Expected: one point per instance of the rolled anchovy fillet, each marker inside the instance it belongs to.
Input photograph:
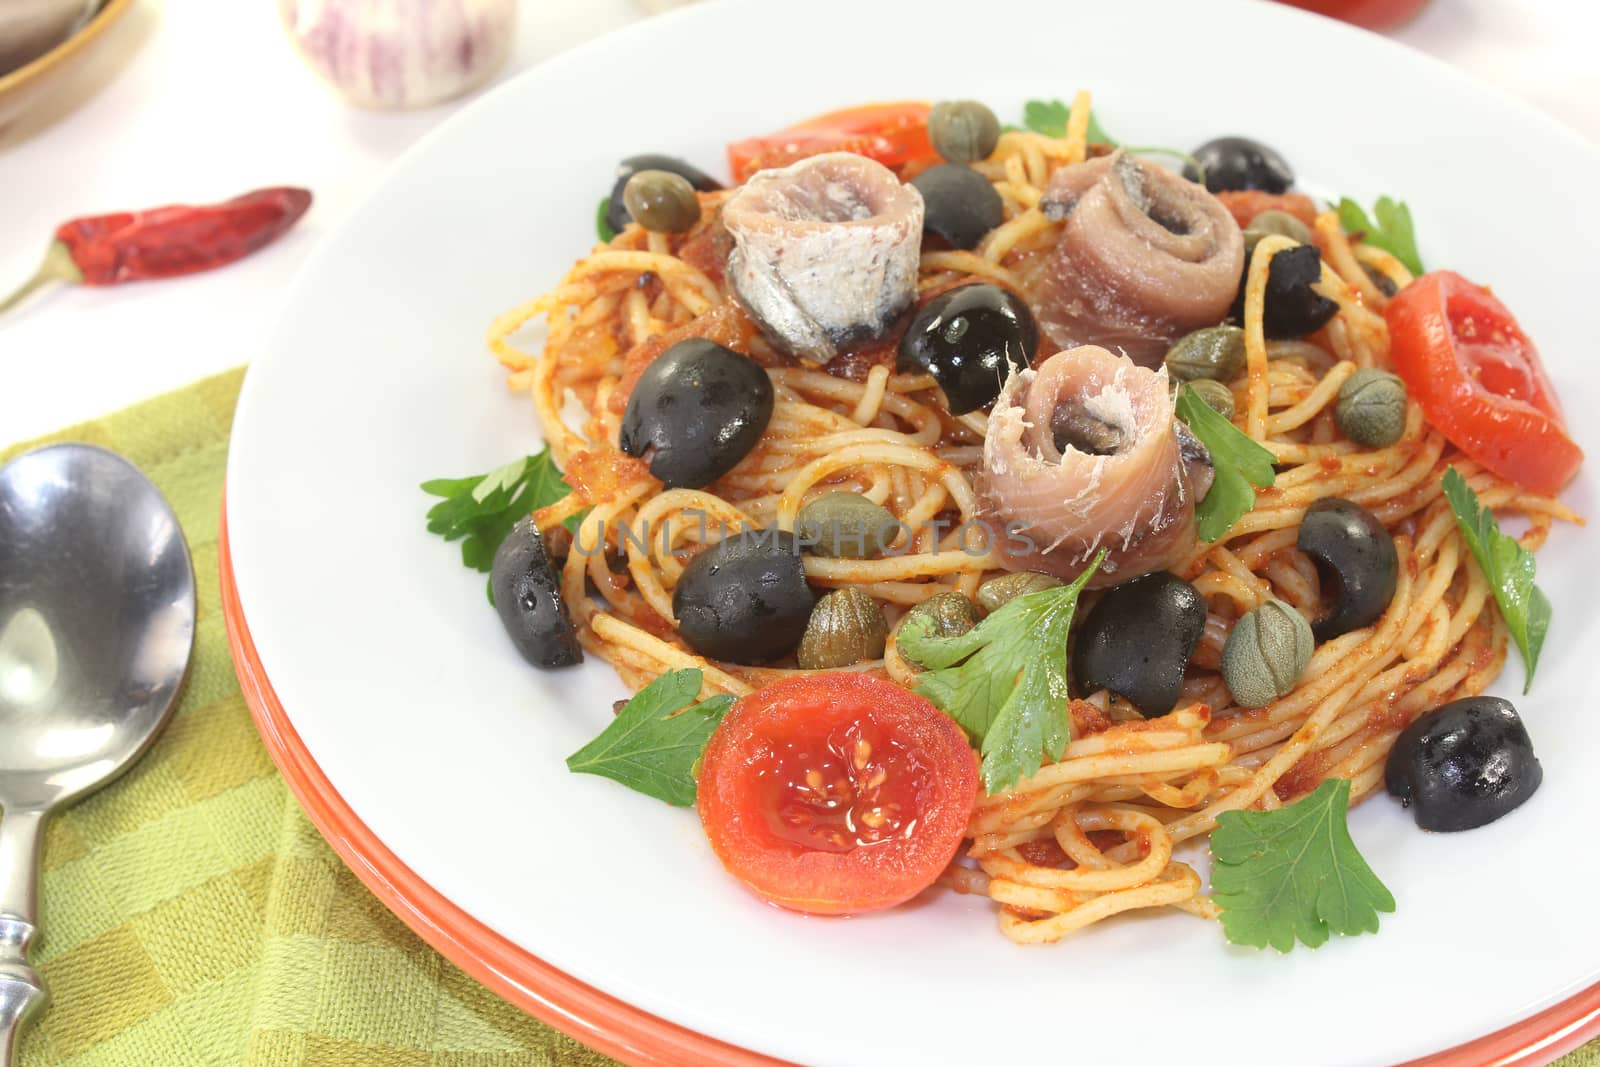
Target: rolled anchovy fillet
(1144, 257)
(824, 252)
(1132, 490)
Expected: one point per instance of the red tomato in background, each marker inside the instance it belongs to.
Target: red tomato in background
(893, 134)
(1479, 379)
(836, 793)
(1373, 14)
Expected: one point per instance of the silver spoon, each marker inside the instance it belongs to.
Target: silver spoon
(96, 626)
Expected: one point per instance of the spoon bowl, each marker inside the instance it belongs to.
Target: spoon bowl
(97, 615)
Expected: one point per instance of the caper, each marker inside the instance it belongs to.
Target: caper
(846, 627)
(953, 614)
(1372, 407)
(1216, 352)
(1266, 654)
(662, 201)
(1276, 223)
(1218, 397)
(617, 212)
(846, 526)
(963, 131)
(998, 591)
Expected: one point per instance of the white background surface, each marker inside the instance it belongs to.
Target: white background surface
(200, 100)
(450, 749)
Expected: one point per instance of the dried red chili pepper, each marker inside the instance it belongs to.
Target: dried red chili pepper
(166, 241)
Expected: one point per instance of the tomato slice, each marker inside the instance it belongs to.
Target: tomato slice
(895, 135)
(1479, 379)
(836, 793)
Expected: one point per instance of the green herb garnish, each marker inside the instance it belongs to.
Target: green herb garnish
(1049, 117)
(1238, 461)
(601, 226)
(1509, 569)
(479, 511)
(1005, 680)
(1294, 874)
(1392, 232)
(651, 746)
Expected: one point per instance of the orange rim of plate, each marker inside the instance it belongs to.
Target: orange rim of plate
(600, 1020)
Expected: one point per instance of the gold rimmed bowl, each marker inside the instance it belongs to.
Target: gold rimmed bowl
(22, 87)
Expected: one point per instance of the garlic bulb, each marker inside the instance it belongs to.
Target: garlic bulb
(401, 53)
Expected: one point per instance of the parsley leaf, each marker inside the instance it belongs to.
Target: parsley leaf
(1238, 461)
(1049, 117)
(1509, 568)
(1392, 232)
(1294, 874)
(1005, 680)
(480, 511)
(601, 226)
(651, 746)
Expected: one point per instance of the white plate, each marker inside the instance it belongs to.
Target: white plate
(404, 690)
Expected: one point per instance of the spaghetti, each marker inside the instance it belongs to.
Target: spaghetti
(1093, 834)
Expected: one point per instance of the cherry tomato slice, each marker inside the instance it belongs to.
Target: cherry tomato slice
(1479, 379)
(836, 793)
(895, 135)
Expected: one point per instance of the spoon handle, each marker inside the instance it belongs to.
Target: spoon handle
(22, 989)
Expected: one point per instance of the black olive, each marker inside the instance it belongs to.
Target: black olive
(617, 213)
(970, 339)
(1137, 639)
(1234, 163)
(1463, 765)
(1355, 556)
(700, 408)
(1385, 284)
(527, 596)
(1291, 308)
(745, 599)
(958, 204)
